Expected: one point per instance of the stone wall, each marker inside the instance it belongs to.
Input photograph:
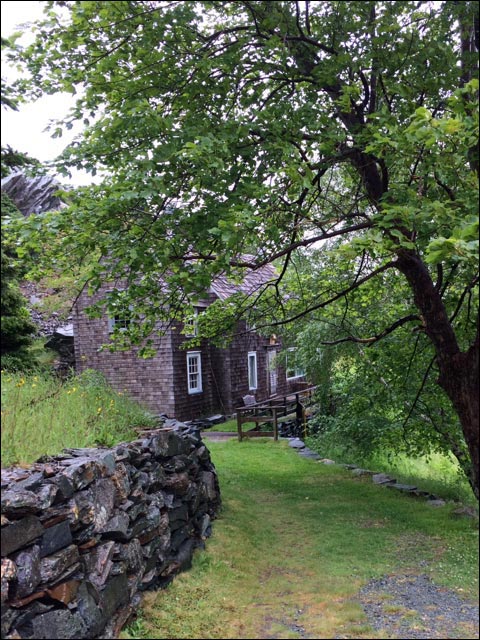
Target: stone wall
(85, 532)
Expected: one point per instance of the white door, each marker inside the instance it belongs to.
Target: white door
(272, 372)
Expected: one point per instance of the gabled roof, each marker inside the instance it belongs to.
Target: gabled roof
(252, 282)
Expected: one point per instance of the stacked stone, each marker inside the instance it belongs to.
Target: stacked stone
(85, 532)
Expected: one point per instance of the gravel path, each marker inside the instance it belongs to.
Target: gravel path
(412, 606)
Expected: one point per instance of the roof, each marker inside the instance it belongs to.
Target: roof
(252, 282)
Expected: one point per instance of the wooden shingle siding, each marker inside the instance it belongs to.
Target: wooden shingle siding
(161, 383)
(147, 381)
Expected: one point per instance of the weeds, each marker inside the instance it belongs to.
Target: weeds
(42, 415)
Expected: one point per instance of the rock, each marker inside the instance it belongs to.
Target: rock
(8, 573)
(55, 538)
(116, 527)
(327, 461)
(131, 554)
(296, 443)
(88, 600)
(58, 624)
(382, 478)
(121, 481)
(20, 533)
(114, 595)
(468, 512)
(99, 562)
(32, 194)
(362, 472)
(208, 480)
(436, 503)
(178, 483)
(166, 444)
(308, 453)
(32, 482)
(180, 513)
(64, 592)
(19, 503)
(406, 488)
(205, 526)
(53, 567)
(28, 571)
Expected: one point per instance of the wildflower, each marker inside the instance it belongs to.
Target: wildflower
(99, 410)
(35, 378)
(33, 386)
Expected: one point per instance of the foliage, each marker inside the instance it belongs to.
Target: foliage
(41, 415)
(16, 329)
(237, 134)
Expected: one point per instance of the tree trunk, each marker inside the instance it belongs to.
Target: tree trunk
(459, 371)
(460, 380)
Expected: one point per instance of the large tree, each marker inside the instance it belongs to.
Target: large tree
(260, 127)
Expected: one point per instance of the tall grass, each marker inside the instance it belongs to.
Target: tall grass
(42, 415)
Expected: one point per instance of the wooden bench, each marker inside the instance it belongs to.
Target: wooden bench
(270, 411)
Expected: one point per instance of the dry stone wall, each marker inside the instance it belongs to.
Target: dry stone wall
(85, 532)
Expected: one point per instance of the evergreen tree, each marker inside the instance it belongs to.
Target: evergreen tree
(16, 326)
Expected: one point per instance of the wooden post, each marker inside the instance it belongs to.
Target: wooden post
(239, 425)
(275, 424)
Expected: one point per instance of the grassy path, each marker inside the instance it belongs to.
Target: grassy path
(295, 542)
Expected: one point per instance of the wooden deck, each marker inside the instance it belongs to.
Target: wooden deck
(271, 411)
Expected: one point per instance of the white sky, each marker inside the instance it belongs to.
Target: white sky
(25, 129)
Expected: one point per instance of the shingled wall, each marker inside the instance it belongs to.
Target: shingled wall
(85, 532)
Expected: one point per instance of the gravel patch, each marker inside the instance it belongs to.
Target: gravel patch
(412, 606)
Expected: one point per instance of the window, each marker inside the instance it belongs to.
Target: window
(190, 326)
(194, 372)
(252, 370)
(122, 319)
(293, 367)
(120, 322)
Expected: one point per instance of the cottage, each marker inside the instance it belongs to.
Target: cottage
(189, 383)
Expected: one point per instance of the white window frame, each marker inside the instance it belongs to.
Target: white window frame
(252, 371)
(116, 320)
(194, 372)
(298, 372)
(190, 326)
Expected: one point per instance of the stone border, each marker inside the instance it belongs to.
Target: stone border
(380, 478)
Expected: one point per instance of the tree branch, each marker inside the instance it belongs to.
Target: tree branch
(321, 305)
(373, 339)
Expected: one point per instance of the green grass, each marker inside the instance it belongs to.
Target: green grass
(225, 427)
(42, 415)
(440, 474)
(294, 543)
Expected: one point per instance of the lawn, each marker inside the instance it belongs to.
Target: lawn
(295, 542)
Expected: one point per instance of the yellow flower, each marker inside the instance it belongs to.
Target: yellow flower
(35, 378)
(99, 409)
(33, 386)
